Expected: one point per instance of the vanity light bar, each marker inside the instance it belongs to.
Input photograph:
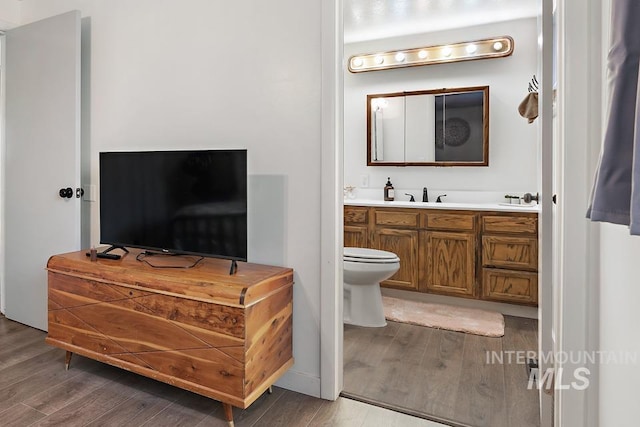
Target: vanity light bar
(497, 47)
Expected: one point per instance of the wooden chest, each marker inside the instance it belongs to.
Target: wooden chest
(228, 337)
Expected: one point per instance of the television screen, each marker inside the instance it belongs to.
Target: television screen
(185, 202)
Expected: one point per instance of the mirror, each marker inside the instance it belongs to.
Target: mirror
(443, 127)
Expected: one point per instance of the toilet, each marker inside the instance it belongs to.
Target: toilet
(364, 269)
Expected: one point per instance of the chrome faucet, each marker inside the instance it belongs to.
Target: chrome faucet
(425, 195)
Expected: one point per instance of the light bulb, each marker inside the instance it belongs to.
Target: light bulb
(357, 62)
(497, 46)
(446, 51)
(471, 48)
(423, 54)
(379, 59)
(400, 56)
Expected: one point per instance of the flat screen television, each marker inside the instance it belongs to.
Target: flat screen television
(182, 202)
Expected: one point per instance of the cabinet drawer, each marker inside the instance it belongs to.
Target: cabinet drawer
(450, 221)
(356, 215)
(397, 218)
(510, 252)
(510, 224)
(510, 286)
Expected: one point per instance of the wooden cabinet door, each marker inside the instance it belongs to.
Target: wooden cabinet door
(355, 236)
(403, 243)
(510, 286)
(450, 263)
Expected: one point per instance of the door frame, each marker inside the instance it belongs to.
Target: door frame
(2, 168)
(331, 201)
(555, 297)
(582, 45)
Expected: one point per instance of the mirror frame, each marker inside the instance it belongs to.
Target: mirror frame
(485, 125)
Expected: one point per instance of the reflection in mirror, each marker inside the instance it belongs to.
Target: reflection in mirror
(445, 127)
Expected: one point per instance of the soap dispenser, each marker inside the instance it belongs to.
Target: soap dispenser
(389, 193)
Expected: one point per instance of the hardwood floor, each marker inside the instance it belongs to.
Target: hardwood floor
(35, 390)
(444, 375)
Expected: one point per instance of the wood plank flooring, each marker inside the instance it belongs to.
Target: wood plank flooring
(35, 390)
(444, 375)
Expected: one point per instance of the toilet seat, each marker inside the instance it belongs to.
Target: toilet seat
(369, 256)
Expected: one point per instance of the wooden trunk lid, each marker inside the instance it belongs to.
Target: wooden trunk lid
(208, 281)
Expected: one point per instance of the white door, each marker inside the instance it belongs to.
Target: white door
(42, 156)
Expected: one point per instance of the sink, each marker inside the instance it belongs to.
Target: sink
(521, 205)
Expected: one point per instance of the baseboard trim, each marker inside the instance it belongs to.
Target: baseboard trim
(300, 382)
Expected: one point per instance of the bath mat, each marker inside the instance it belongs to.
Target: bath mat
(440, 316)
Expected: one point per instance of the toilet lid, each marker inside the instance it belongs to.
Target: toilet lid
(369, 255)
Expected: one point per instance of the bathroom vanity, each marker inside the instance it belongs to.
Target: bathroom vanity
(481, 251)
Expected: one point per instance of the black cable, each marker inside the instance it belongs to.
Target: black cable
(142, 255)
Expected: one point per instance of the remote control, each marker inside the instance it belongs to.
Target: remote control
(107, 256)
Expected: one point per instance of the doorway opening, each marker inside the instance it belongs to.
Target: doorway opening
(434, 373)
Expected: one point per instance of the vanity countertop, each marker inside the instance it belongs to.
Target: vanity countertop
(500, 207)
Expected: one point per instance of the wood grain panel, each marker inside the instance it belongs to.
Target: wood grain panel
(52, 305)
(131, 358)
(211, 317)
(133, 330)
(510, 252)
(269, 339)
(262, 316)
(65, 326)
(355, 237)
(510, 286)
(450, 221)
(207, 367)
(356, 215)
(400, 218)
(230, 345)
(69, 291)
(510, 224)
(403, 243)
(450, 262)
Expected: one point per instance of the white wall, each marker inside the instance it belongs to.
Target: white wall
(512, 148)
(604, 288)
(9, 18)
(9, 14)
(619, 320)
(619, 294)
(175, 74)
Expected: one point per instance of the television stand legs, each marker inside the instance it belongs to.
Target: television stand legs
(67, 360)
(234, 268)
(228, 413)
(112, 247)
(228, 409)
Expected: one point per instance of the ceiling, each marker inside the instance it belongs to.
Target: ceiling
(377, 19)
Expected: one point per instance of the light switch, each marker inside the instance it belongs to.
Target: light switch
(364, 181)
